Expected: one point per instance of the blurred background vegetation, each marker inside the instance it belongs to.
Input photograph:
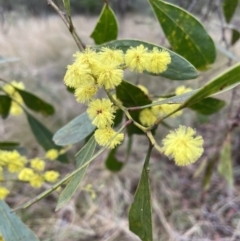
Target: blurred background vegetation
(31, 32)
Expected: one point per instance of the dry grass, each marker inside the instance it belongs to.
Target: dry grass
(180, 211)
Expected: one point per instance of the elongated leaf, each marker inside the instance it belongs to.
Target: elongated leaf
(82, 157)
(12, 228)
(43, 136)
(106, 28)
(130, 95)
(225, 167)
(140, 213)
(8, 145)
(5, 105)
(112, 163)
(75, 131)
(208, 173)
(235, 36)
(229, 7)
(208, 106)
(66, 4)
(185, 33)
(35, 103)
(178, 69)
(224, 80)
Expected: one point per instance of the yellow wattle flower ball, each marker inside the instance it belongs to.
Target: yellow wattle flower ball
(52, 154)
(15, 161)
(136, 58)
(25, 174)
(147, 117)
(38, 164)
(3, 193)
(158, 61)
(51, 176)
(88, 57)
(86, 92)
(77, 74)
(36, 181)
(111, 56)
(182, 90)
(15, 108)
(103, 136)
(109, 76)
(101, 112)
(183, 146)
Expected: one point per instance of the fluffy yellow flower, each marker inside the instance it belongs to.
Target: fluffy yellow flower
(38, 164)
(143, 89)
(182, 90)
(158, 61)
(15, 109)
(86, 92)
(101, 112)
(15, 161)
(109, 76)
(109, 56)
(165, 109)
(103, 136)
(3, 192)
(147, 117)
(52, 154)
(76, 75)
(51, 176)
(25, 174)
(136, 58)
(1, 237)
(36, 181)
(183, 146)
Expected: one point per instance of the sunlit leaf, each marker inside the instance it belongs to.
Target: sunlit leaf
(82, 157)
(140, 213)
(229, 7)
(35, 103)
(5, 105)
(75, 131)
(12, 228)
(185, 33)
(178, 69)
(225, 167)
(43, 136)
(106, 28)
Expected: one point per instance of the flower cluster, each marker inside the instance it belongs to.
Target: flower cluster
(149, 115)
(93, 70)
(17, 100)
(31, 171)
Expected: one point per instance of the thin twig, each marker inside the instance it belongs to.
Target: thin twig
(68, 23)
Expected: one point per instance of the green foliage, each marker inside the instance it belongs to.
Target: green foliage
(35, 103)
(8, 145)
(235, 36)
(43, 135)
(106, 28)
(140, 213)
(75, 131)
(5, 104)
(225, 166)
(12, 228)
(229, 7)
(178, 69)
(112, 163)
(208, 106)
(185, 33)
(82, 157)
